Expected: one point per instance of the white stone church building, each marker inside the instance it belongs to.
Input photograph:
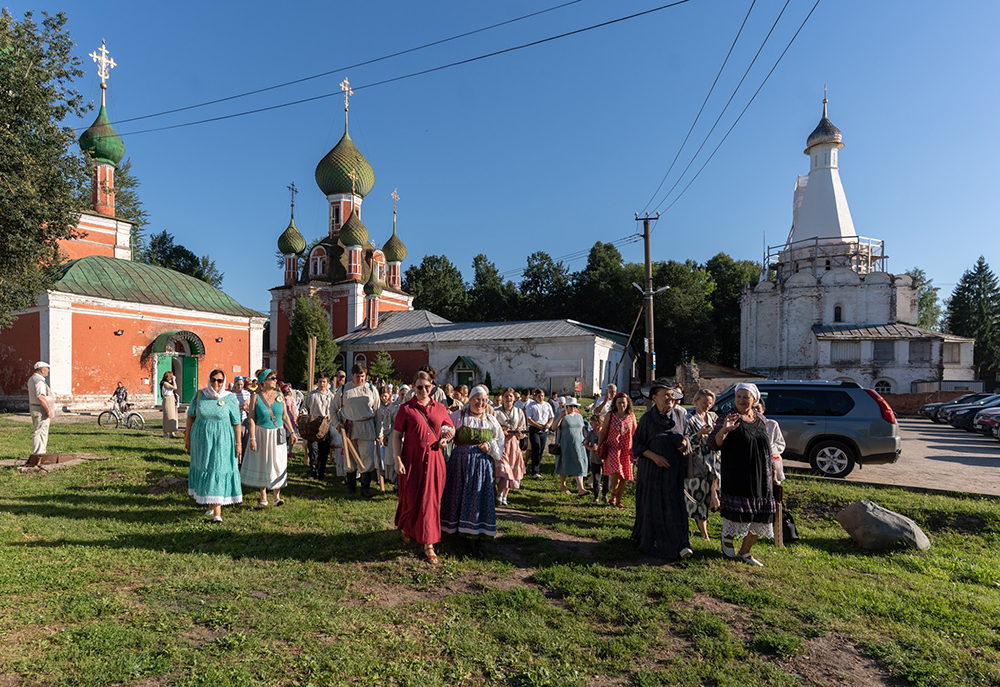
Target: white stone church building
(826, 308)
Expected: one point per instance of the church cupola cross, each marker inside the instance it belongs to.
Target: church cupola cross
(104, 64)
(291, 188)
(345, 86)
(395, 199)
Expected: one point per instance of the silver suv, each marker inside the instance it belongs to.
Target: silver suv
(833, 425)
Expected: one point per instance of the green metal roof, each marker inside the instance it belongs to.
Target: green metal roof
(136, 282)
(197, 345)
(101, 141)
(354, 233)
(333, 173)
(291, 241)
(394, 249)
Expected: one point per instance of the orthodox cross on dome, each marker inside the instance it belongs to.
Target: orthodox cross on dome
(293, 191)
(345, 86)
(104, 62)
(395, 199)
(353, 175)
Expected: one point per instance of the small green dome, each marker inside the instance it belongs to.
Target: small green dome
(394, 249)
(354, 233)
(101, 141)
(291, 241)
(373, 287)
(333, 173)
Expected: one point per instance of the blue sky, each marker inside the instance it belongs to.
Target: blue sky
(557, 146)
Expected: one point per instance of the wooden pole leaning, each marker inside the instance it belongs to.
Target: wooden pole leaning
(349, 451)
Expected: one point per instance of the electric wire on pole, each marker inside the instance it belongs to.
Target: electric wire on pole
(648, 294)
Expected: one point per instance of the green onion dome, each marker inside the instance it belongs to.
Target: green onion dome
(333, 173)
(394, 249)
(373, 287)
(291, 241)
(354, 233)
(101, 141)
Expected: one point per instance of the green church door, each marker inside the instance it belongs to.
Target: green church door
(189, 378)
(164, 364)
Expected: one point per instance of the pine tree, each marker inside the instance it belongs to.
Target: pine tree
(381, 367)
(309, 319)
(928, 305)
(41, 175)
(974, 311)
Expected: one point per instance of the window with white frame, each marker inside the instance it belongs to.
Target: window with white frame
(845, 351)
(884, 351)
(883, 387)
(952, 353)
(335, 216)
(920, 351)
(360, 359)
(317, 262)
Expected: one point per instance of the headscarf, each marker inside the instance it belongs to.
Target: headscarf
(209, 392)
(263, 375)
(752, 388)
(479, 389)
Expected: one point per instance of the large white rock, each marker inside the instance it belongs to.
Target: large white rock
(875, 528)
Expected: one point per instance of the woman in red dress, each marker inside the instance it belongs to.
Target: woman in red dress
(422, 425)
(617, 436)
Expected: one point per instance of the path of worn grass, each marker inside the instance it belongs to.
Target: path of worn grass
(103, 581)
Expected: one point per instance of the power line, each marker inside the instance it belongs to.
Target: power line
(417, 73)
(702, 109)
(728, 103)
(576, 255)
(351, 66)
(698, 173)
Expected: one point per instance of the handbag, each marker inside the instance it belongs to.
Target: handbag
(788, 529)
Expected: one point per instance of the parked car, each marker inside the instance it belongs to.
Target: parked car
(963, 419)
(986, 420)
(832, 425)
(930, 410)
(947, 413)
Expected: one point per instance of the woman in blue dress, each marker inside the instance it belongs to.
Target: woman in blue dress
(468, 505)
(212, 437)
(572, 460)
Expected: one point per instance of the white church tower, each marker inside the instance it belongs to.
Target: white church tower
(825, 308)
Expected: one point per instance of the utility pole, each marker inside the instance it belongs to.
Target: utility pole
(648, 294)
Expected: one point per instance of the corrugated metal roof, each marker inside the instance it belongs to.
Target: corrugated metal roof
(421, 326)
(101, 276)
(896, 330)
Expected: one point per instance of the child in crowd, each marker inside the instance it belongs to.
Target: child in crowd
(590, 442)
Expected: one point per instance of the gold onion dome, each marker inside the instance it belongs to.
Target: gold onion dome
(354, 233)
(373, 287)
(101, 142)
(825, 132)
(291, 241)
(333, 173)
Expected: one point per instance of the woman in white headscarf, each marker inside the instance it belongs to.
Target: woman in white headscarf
(468, 505)
(746, 499)
(212, 436)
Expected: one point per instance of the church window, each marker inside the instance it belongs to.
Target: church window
(884, 351)
(360, 359)
(952, 353)
(827, 265)
(317, 262)
(845, 351)
(353, 261)
(838, 310)
(826, 159)
(883, 387)
(335, 216)
(920, 351)
(339, 362)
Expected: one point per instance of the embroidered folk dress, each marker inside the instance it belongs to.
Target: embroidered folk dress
(619, 440)
(572, 460)
(468, 505)
(418, 513)
(746, 499)
(213, 477)
(510, 467)
(267, 467)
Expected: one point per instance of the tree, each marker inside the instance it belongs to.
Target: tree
(545, 288)
(162, 251)
(603, 291)
(683, 314)
(381, 367)
(128, 206)
(41, 177)
(491, 298)
(437, 285)
(309, 319)
(730, 277)
(928, 305)
(974, 311)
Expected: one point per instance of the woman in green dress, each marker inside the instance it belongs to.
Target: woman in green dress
(572, 460)
(212, 437)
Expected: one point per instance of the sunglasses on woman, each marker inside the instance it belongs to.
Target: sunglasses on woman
(218, 380)
(423, 387)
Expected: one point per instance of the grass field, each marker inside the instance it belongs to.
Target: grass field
(107, 578)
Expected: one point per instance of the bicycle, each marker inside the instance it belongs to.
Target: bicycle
(118, 415)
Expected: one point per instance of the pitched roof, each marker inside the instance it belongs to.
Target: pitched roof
(421, 326)
(896, 330)
(100, 276)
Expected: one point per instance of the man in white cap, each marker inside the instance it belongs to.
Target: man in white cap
(40, 405)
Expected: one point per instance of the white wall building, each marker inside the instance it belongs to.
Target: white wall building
(825, 307)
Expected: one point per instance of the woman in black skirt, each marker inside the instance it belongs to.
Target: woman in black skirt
(746, 498)
(661, 526)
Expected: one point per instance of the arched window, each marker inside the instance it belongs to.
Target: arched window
(360, 358)
(838, 313)
(339, 362)
(827, 265)
(883, 387)
(317, 262)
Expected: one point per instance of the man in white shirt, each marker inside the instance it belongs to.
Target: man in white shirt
(523, 401)
(41, 408)
(540, 417)
(317, 402)
(602, 406)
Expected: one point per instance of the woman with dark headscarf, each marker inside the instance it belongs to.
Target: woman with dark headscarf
(746, 499)
(661, 526)
(212, 436)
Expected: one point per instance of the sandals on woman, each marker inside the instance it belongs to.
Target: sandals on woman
(406, 538)
(727, 547)
(750, 560)
(432, 557)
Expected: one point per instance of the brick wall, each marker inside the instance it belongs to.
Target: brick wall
(909, 404)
